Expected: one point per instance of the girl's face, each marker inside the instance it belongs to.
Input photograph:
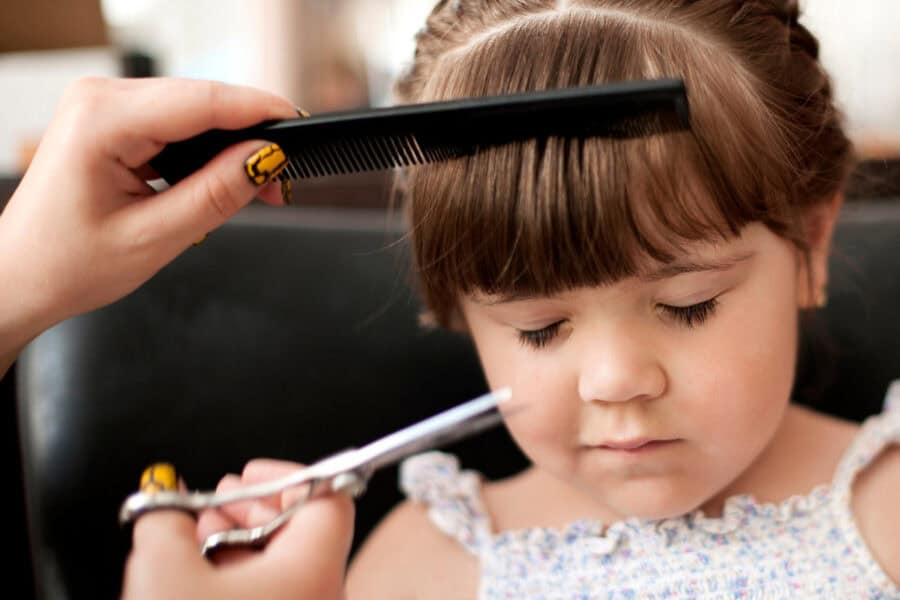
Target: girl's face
(653, 394)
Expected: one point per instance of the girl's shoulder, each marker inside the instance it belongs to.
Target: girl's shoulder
(407, 557)
(872, 469)
(875, 501)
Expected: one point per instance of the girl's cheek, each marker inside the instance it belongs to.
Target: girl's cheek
(540, 410)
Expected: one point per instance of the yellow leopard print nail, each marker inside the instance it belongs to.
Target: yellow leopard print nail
(266, 164)
(158, 478)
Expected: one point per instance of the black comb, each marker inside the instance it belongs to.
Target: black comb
(384, 138)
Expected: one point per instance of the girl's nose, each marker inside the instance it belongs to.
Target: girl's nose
(620, 372)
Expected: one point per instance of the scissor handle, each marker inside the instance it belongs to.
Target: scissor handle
(348, 483)
(328, 469)
(347, 472)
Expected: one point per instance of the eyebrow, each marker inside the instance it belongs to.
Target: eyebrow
(505, 298)
(678, 267)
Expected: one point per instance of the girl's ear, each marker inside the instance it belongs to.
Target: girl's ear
(818, 227)
(457, 324)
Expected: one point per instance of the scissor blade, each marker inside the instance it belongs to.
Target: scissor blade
(449, 426)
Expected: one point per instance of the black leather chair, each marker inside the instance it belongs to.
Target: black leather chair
(293, 334)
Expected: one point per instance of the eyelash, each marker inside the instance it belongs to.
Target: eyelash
(689, 316)
(693, 315)
(538, 338)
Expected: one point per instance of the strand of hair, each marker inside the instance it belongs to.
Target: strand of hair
(419, 153)
(396, 152)
(391, 153)
(407, 151)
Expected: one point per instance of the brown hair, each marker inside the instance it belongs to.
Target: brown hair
(543, 216)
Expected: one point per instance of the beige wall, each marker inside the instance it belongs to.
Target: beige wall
(860, 45)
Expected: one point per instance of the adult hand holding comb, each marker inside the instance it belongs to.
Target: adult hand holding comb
(84, 228)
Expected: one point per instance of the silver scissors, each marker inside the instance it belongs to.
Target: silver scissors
(347, 472)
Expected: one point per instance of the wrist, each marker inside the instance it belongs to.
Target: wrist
(22, 316)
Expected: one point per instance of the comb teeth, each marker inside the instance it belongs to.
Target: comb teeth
(354, 155)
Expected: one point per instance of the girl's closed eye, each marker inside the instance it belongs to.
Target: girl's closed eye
(692, 315)
(538, 338)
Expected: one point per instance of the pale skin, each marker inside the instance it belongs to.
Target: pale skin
(717, 393)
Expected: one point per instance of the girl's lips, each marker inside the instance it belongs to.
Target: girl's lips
(633, 445)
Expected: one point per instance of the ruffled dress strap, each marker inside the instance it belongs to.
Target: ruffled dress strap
(453, 497)
(877, 433)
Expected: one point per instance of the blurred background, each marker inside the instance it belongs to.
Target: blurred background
(328, 55)
(337, 54)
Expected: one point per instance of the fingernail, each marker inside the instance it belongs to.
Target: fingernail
(286, 191)
(200, 241)
(303, 113)
(159, 477)
(265, 164)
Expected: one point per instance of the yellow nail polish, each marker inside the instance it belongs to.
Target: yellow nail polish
(265, 164)
(159, 477)
(286, 191)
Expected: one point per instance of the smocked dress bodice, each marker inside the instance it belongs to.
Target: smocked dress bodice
(805, 547)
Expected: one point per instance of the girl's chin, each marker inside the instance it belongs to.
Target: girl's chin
(653, 502)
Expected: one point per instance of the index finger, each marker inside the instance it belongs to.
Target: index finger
(169, 109)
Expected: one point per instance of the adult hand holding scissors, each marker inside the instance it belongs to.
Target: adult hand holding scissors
(273, 498)
(305, 559)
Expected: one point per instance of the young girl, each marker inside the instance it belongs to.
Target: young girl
(641, 298)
